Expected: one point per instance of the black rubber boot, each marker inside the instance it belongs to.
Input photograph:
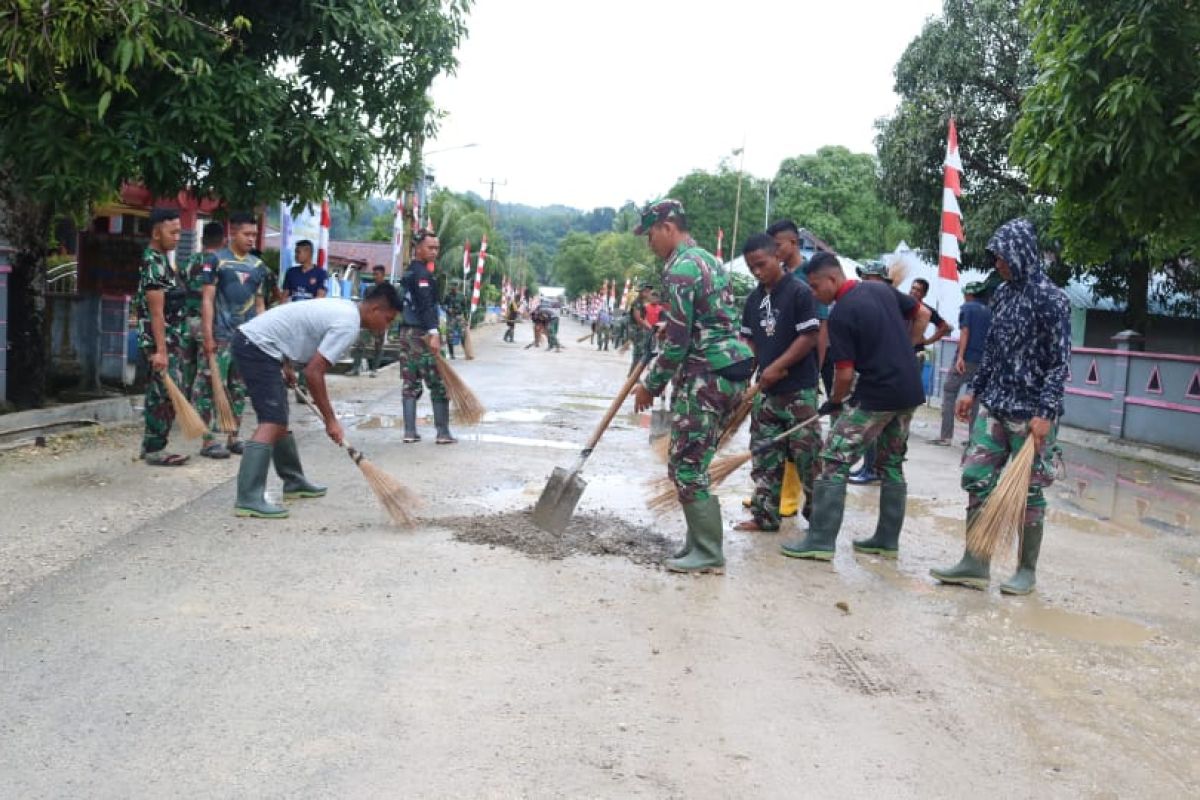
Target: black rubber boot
(886, 542)
(1025, 578)
(409, 405)
(820, 543)
(288, 468)
(969, 571)
(707, 534)
(441, 419)
(252, 480)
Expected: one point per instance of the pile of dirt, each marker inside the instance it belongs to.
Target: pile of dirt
(587, 535)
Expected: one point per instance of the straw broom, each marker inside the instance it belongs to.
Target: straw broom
(665, 496)
(663, 444)
(226, 421)
(466, 405)
(468, 348)
(396, 498)
(1003, 512)
(190, 422)
(585, 337)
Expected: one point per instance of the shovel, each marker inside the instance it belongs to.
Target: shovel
(557, 503)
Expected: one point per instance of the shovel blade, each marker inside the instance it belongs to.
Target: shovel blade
(557, 503)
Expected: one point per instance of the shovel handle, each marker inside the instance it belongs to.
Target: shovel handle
(613, 409)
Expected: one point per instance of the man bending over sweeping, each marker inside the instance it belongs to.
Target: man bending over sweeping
(316, 333)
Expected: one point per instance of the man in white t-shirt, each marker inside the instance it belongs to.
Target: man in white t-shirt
(316, 333)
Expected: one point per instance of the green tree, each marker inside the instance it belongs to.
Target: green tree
(709, 200)
(250, 102)
(1112, 130)
(974, 63)
(575, 264)
(836, 195)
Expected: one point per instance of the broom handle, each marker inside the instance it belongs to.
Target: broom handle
(354, 454)
(612, 412)
(767, 445)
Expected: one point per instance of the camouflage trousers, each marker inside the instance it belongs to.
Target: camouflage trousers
(235, 390)
(855, 429)
(700, 407)
(602, 334)
(367, 340)
(191, 353)
(157, 411)
(552, 335)
(417, 366)
(994, 440)
(772, 415)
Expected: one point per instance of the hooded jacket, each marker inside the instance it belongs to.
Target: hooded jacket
(1027, 353)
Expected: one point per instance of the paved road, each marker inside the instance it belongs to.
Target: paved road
(170, 650)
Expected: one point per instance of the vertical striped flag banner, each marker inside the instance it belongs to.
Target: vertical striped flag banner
(720, 244)
(398, 237)
(952, 229)
(466, 265)
(478, 277)
(625, 294)
(323, 246)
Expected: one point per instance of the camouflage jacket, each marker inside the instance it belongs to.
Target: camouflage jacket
(157, 273)
(701, 322)
(455, 305)
(194, 276)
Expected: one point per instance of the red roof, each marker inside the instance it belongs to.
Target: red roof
(363, 254)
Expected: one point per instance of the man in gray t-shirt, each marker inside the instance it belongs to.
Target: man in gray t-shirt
(316, 333)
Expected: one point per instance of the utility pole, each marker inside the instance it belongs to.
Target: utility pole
(737, 203)
(492, 184)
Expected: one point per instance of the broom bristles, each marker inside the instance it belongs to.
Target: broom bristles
(663, 496)
(397, 499)
(661, 447)
(226, 421)
(190, 422)
(466, 405)
(1003, 512)
(584, 338)
(739, 416)
(468, 348)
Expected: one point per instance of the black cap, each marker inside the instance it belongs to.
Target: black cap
(158, 215)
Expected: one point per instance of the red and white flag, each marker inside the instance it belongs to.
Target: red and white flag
(323, 245)
(720, 243)
(478, 277)
(466, 264)
(952, 228)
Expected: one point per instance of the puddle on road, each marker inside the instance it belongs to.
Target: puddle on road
(517, 415)
(587, 535)
(1079, 627)
(519, 441)
(1131, 495)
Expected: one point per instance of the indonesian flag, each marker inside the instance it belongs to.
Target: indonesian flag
(478, 276)
(625, 294)
(323, 246)
(952, 229)
(466, 262)
(720, 243)
(398, 236)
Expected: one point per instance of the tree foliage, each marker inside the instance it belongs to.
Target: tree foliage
(973, 63)
(247, 101)
(1112, 129)
(585, 261)
(709, 199)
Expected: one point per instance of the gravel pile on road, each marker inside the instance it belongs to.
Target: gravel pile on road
(587, 535)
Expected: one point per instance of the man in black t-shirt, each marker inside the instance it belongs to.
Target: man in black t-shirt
(868, 334)
(780, 323)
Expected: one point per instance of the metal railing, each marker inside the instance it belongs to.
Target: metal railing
(61, 279)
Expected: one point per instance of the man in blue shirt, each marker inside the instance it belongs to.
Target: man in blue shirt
(974, 319)
(304, 281)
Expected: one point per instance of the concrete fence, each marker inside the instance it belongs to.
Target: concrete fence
(1153, 398)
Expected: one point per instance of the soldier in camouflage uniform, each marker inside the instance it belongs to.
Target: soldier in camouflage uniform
(868, 334)
(195, 363)
(780, 323)
(162, 322)
(1020, 383)
(235, 292)
(456, 313)
(709, 367)
(640, 331)
(419, 341)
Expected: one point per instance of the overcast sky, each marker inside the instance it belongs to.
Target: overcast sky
(591, 104)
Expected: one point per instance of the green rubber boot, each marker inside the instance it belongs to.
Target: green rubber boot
(886, 541)
(409, 405)
(1025, 578)
(969, 571)
(707, 533)
(252, 480)
(819, 544)
(287, 467)
(441, 420)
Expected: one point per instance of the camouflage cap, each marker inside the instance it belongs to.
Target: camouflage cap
(658, 211)
(977, 288)
(875, 269)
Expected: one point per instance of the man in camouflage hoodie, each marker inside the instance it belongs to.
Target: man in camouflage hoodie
(710, 367)
(1019, 382)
